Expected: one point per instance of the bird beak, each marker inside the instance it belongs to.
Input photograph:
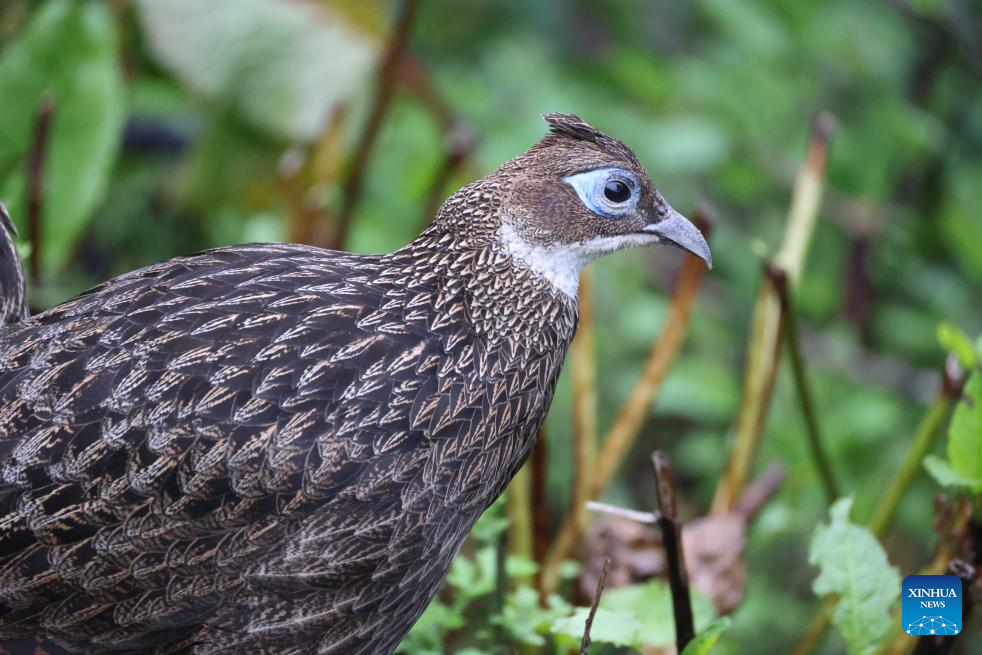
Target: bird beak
(680, 231)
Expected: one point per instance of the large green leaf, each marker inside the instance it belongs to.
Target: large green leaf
(946, 475)
(282, 66)
(854, 566)
(965, 433)
(617, 627)
(964, 465)
(636, 615)
(67, 51)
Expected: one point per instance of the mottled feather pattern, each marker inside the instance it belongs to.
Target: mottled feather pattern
(280, 449)
(13, 302)
(267, 448)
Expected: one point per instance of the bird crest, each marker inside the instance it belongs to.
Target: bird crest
(571, 126)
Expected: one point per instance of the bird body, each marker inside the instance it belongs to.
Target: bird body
(13, 304)
(277, 448)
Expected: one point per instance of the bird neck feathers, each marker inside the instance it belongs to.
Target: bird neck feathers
(474, 219)
(559, 266)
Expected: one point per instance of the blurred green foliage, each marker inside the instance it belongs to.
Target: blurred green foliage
(635, 615)
(178, 126)
(508, 612)
(66, 55)
(854, 566)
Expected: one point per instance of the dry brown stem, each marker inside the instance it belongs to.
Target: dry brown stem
(762, 355)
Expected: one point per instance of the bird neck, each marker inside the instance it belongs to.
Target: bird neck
(505, 299)
(474, 218)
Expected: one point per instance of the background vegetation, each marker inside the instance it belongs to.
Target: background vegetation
(153, 128)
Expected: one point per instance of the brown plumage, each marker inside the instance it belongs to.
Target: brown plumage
(280, 449)
(13, 305)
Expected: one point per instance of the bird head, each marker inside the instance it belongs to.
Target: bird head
(578, 194)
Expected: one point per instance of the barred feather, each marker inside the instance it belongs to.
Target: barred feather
(236, 450)
(277, 448)
(13, 304)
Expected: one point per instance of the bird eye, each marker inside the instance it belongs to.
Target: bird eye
(607, 192)
(617, 191)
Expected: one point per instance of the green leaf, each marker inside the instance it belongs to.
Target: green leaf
(651, 604)
(285, 67)
(956, 342)
(520, 567)
(964, 465)
(947, 476)
(426, 637)
(749, 24)
(569, 569)
(617, 627)
(854, 566)
(67, 54)
(463, 574)
(648, 605)
(472, 578)
(965, 433)
(524, 618)
(706, 640)
(687, 143)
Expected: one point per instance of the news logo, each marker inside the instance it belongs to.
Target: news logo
(932, 605)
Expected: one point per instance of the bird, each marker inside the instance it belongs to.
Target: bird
(276, 448)
(13, 304)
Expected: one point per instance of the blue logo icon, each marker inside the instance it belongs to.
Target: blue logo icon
(932, 605)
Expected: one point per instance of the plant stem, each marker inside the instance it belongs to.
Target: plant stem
(384, 90)
(671, 531)
(622, 512)
(301, 169)
(584, 373)
(458, 136)
(928, 430)
(585, 642)
(459, 143)
(35, 182)
(500, 581)
(759, 492)
(817, 626)
(762, 357)
(520, 515)
(539, 497)
(789, 324)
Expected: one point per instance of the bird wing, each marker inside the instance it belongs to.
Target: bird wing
(13, 306)
(158, 431)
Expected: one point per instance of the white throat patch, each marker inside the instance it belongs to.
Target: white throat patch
(561, 265)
